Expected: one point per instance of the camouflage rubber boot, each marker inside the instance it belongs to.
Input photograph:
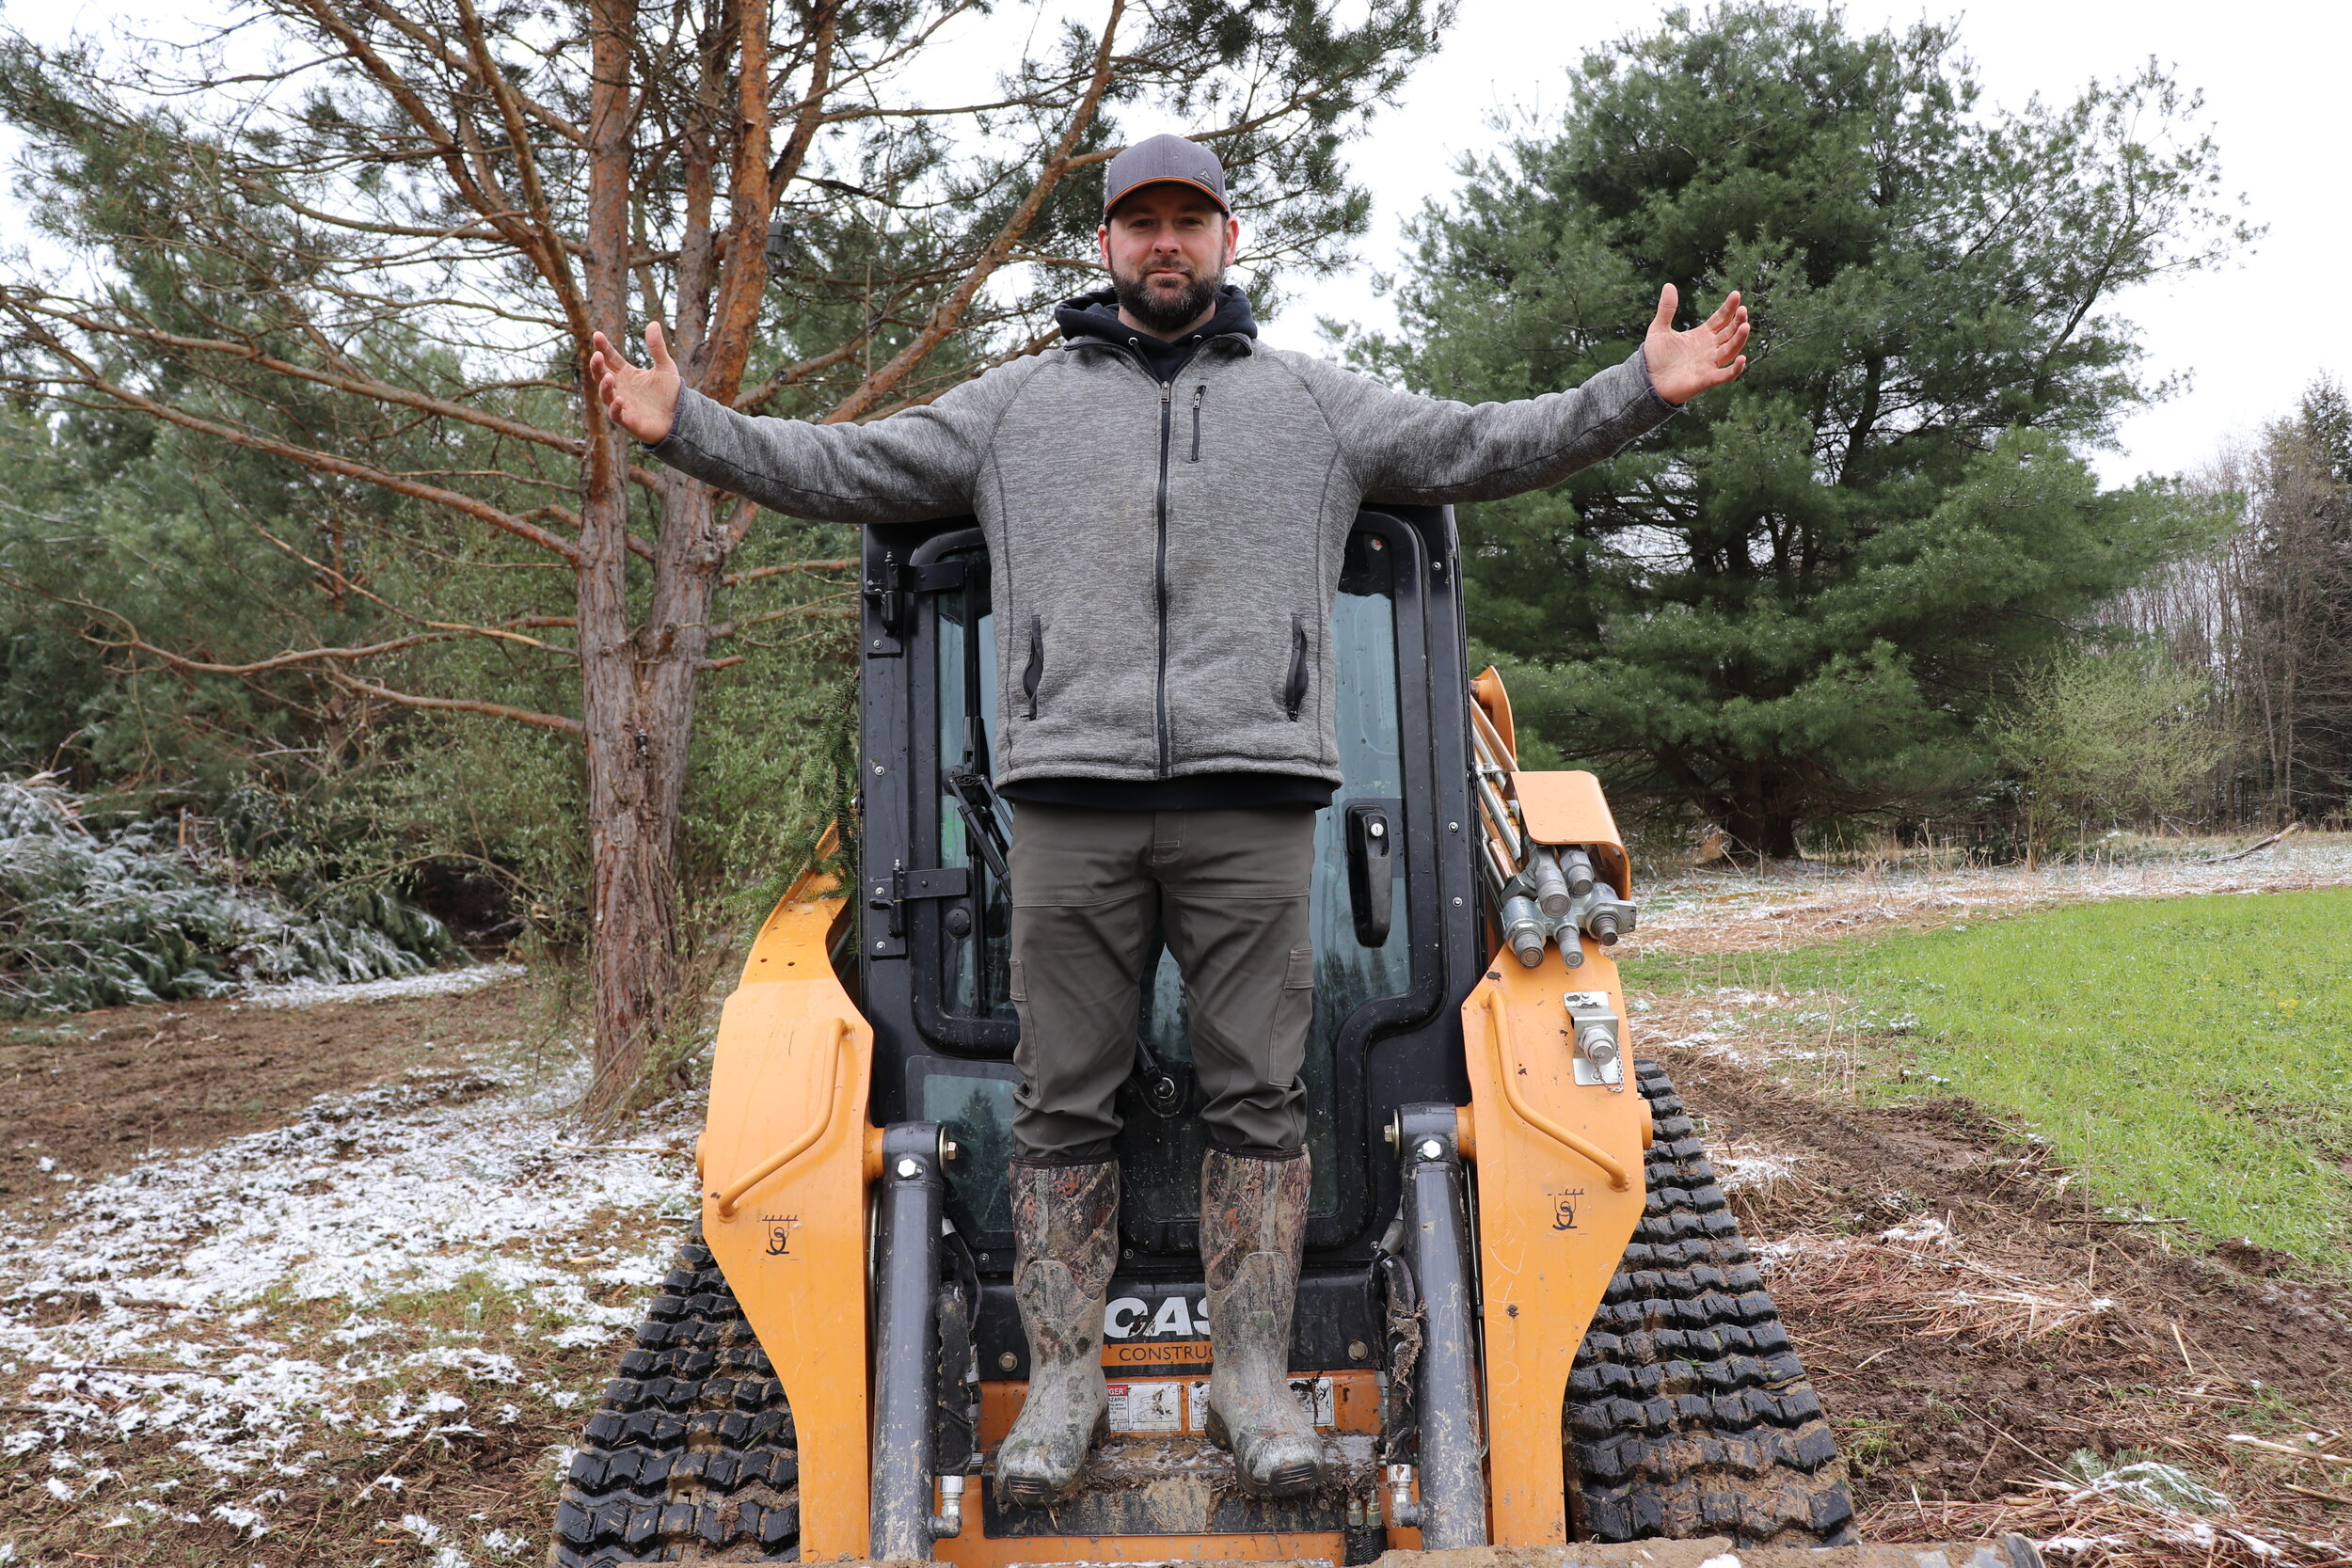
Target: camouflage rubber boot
(1253, 1221)
(1065, 1227)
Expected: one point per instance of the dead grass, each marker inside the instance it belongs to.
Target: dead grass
(1986, 1357)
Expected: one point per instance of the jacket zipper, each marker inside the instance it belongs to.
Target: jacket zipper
(1198, 393)
(1159, 570)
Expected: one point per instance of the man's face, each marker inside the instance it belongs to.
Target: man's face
(1167, 246)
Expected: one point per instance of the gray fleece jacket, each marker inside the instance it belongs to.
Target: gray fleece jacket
(1163, 555)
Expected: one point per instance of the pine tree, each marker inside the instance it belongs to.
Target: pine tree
(1803, 598)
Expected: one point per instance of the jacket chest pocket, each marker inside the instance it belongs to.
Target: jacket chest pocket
(1199, 393)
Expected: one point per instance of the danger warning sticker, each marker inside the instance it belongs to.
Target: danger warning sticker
(1147, 1406)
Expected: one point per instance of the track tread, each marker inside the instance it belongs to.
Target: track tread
(1688, 1410)
(690, 1457)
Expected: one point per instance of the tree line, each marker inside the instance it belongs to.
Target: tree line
(2260, 625)
(307, 500)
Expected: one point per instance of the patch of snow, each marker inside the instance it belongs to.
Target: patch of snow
(2071, 1544)
(481, 1365)
(1744, 1165)
(1924, 1229)
(580, 1336)
(402, 1189)
(1769, 1253)
(436, 982)
(2167, 1488)
(246, 1521)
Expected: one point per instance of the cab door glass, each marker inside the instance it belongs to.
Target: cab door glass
(977, 965)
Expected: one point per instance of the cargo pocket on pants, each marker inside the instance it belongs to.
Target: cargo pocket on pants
(1017, 987)
(1294, 1012)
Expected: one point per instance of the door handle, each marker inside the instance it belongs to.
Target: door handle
(1370, 828)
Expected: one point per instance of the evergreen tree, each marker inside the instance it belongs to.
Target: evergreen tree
(1803, 600)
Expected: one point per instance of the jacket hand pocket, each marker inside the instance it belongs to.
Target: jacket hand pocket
(1035, 670)
(1295, 687)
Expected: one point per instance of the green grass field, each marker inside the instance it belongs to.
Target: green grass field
(2192, 1056)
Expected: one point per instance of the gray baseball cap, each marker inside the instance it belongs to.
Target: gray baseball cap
(1165, 158)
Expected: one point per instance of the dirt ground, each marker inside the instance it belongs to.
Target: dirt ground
(1970, 1334)
(1971, 1327)
(457, 1413)
(95, 1094)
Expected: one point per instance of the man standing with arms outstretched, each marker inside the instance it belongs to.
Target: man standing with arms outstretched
(1165, 503)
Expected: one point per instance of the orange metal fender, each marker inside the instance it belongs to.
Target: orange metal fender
(1569, 808)
(783, 1158)
(1559, 1182)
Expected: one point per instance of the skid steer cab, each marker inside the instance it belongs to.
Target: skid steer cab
(1527, 1317)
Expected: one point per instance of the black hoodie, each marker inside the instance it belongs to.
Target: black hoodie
(1096, 315)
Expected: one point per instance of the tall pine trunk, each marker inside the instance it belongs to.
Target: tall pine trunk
(635, 744)
(638, 690)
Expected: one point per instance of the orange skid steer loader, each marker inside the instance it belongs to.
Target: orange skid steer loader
(1527, 1317)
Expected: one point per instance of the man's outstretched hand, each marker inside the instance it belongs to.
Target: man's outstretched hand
(1684, 364)
(643, 403)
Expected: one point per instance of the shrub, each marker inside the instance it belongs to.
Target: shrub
(2101, 737)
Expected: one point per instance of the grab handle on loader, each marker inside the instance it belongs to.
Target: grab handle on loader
(729, 1196)
(1528, 1113)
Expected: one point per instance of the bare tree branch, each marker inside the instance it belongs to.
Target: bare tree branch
(949, 313)
(459, 704)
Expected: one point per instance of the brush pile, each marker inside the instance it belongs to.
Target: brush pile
(92, 917)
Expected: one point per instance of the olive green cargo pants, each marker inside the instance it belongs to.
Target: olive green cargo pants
(1227, 891)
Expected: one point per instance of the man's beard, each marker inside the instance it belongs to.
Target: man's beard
(1160, 311)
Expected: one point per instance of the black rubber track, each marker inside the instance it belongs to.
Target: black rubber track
(690, 1458)
(1688, 1411)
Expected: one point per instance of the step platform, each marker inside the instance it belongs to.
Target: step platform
(1157, 1474)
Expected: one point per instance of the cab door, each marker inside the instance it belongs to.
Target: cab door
(1379, 912)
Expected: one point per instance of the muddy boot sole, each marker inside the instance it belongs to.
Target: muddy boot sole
(1293, 1479)
(1042, 1492)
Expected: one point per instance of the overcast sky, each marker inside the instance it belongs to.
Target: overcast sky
(2249, 336)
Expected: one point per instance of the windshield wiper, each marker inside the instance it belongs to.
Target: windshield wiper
(976, 801)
